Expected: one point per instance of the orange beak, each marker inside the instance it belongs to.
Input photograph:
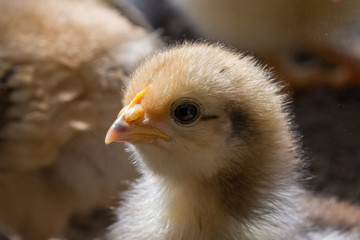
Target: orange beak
(129, 127)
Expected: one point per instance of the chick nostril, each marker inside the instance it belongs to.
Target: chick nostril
(134, 113)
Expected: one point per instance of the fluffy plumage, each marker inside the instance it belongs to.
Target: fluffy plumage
(212, 139)
(63, 64)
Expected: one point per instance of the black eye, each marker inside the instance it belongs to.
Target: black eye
(186, 113)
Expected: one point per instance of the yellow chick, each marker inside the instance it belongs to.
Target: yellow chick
(278, 30)
(210, 134)
(63, 64)
(268, 26)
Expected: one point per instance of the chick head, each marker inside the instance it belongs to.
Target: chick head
(196, 109)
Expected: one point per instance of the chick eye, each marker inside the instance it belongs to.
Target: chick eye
(186, 113)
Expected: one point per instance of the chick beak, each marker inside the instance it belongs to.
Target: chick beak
(129, 126)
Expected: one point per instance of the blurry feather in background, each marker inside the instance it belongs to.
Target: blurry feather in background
(63, 65)
(282, 33)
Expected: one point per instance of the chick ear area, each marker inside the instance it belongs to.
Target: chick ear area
(241, 123)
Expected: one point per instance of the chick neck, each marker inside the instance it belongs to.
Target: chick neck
(192, 209)
(235, 197)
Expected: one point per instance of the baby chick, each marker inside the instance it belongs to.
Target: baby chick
(60, 61)
(274, 30)
(266, 25)
(211, 136)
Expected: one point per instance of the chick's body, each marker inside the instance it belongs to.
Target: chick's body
(59, 62)
(220, 158)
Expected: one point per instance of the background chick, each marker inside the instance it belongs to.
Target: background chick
(283, 33)
(62, 68)
(268, 26)
(211, 137)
